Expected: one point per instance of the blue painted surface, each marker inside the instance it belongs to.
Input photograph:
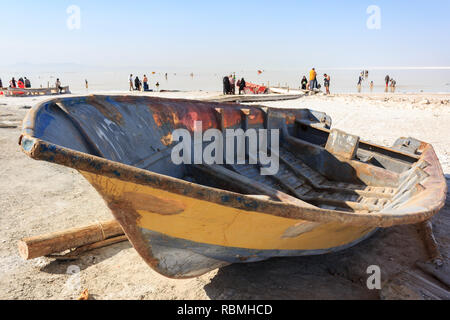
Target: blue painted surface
(160, 243)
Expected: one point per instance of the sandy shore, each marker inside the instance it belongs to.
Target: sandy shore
(38, 197)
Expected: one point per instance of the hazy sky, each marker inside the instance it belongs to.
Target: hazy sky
(242, 34)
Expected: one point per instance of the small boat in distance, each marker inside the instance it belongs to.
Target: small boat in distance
(22, 92)
(331, 191)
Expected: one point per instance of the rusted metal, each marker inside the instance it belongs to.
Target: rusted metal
(325, 197)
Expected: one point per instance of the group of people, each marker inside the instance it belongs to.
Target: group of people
(390, 83)
(25, 83)
(22, 83)
(230, 84)
(138, 85)
(313, 84)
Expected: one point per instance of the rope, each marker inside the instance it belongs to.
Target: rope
(103, 231)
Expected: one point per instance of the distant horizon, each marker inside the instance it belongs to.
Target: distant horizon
(172, 68)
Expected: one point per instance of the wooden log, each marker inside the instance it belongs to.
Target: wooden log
(75, 254)
(43, 245)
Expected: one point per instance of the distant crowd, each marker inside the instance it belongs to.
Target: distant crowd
(137, 85)
(391, 84)
(22, 83)
(230, 84)
(313, 84)
(25, 83)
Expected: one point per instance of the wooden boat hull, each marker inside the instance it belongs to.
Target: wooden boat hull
(184, 229)
(182, 233)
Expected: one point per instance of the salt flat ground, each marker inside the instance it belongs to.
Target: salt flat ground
(39, 197)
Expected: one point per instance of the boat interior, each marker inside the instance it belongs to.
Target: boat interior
(318, 166)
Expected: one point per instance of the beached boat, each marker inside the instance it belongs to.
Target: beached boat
(330, 192)
(21, 92)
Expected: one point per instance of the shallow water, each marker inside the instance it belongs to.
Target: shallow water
(342, 81)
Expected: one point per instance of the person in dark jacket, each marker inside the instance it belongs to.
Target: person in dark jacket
(226, 85)
(137, 83)
(304, 83)
(242, 85)
(27, 83)
(1, 83)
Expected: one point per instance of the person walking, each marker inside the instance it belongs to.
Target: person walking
(130, 81)
(242, 85)
(304, 83)
(326, 83)
(312, 79)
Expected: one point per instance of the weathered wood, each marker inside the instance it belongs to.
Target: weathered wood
(442, 273)
(409, 285)
(43, 245)
(73, 255)
(426, 230)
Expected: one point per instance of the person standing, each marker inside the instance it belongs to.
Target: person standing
(27, 83)
(360, 80)
(326, 83)
(145, 80)
(232, 84)
(86, 83)
(304, 83)
(242, 85)
(12, 83)
(1, 84)
(137, 84)
(387, 82)
(130, 81)
(226, 85)
(312, 79)
(157, 86)
(371, 86)
(58, 86)
(21, 84)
